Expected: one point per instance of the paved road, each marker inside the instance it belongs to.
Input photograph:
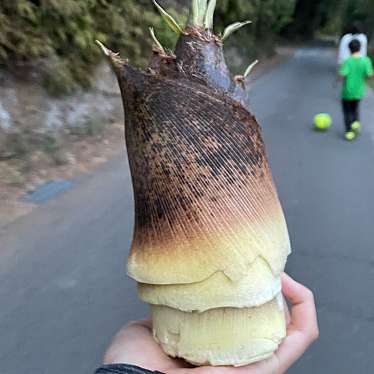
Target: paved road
(63, 291)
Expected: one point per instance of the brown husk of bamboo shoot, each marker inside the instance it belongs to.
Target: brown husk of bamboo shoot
(205, 201)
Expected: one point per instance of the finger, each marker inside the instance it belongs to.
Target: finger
(303, 329)
(295, 292)
(127, 342)
(140, 328)
(303, 312)
(291, 349)
(287, 313)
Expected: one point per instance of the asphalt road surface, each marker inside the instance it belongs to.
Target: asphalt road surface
(63, 289)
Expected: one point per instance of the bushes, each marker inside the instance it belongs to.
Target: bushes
(331, 17)
(268, 18)
(58, 36)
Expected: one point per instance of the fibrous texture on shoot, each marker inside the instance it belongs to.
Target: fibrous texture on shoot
(210, 239)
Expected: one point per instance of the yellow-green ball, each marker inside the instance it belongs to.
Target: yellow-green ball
(350, 135)
(322, 121)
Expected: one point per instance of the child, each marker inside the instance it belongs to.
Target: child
(353, 32)
(354, 71)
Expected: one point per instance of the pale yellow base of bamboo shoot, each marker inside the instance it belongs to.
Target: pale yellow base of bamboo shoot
(222, 336)
(258, 287)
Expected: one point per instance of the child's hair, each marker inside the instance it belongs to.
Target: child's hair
(354, 46)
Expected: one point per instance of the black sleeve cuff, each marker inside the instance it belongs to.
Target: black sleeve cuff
(124, 369)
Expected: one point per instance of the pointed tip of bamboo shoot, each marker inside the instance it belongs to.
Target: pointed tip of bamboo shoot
(234, 27)
(104, 49)
(209, 16)
(116, 61)
(156, 42)
(170, 21)
(250, 68)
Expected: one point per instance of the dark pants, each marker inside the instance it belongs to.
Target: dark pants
(351, 112)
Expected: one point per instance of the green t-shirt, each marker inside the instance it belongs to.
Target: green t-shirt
(355, 70)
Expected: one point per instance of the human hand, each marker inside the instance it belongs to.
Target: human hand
(135, 345)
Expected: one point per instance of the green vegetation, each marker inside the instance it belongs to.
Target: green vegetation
(268, 18)
(331, 17)
(58, 36)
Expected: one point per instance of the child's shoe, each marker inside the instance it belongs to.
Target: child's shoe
(350, 135)
(356, 126)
